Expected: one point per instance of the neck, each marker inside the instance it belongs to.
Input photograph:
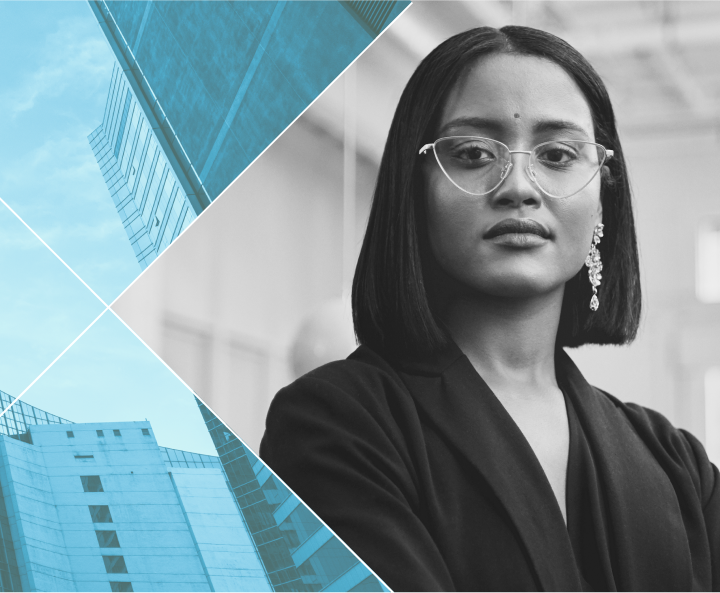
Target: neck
(510, 342)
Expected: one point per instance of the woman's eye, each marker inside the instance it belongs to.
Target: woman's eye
(557, 155)
(473, 153)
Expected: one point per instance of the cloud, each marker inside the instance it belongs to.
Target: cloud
(70, 55)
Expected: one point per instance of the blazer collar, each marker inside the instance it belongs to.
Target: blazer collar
(465, 411)
(651, 549)
(641, 504)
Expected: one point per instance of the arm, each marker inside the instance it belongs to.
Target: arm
(342, 453)
(710, 496)
(696, 481)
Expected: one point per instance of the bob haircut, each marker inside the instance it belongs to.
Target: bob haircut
(396, 303)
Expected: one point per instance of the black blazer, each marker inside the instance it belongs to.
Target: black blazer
(421, 471)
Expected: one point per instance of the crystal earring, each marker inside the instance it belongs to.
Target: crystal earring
(592, 261)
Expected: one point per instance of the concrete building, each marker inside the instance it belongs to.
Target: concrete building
(201, 89)
(101, 506)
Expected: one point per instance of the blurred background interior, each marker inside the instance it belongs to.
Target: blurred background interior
(254, 293)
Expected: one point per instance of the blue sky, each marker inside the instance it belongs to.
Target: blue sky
(52, 95)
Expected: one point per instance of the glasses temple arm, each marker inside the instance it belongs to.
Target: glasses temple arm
(425, 148)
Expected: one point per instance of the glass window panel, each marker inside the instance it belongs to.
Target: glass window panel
(275, 492)
(146, 167)
(120, 586)
(368, 584)
(327, 564)
(298, 526)
(100, 433)
(139, 152)
(107, 539)
(116, 432)
(153, 191)
(91, 483)
(121, 130)
(130, 142)
(70, 434)
(707, 280)
(115, 564)
(146, 432)
(162, 207)
(100, 513)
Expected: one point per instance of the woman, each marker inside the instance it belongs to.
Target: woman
(459, 448)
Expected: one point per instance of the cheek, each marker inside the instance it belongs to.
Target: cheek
(576, 221)
(452, 226)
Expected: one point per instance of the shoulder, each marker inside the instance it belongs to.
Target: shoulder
(675, 448)
(361, 397)
(364, 377)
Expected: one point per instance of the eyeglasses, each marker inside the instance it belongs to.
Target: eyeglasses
(478, 166)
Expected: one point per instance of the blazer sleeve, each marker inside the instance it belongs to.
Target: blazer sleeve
(687, 464)
(709, 478)
(339, 449)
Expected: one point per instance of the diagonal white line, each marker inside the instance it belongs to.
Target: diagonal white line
(179, 378)
(395, 20)
(60, 259)
(54, 361)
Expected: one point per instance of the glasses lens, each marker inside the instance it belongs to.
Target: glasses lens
(562, 168)
(475, 165)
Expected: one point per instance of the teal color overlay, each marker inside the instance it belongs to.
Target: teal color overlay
(53, 88)
(43, 306)
(109, 375)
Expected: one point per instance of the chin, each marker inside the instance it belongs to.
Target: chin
(517, 286)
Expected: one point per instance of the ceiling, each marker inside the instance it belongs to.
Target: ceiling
(660, 60)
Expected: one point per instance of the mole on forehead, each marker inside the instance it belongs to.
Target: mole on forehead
(516, 115)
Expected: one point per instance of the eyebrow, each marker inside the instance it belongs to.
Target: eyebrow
(472, 122)
(491, 125)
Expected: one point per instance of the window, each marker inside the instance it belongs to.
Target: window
(146, 432)
(100, 433)
(327, 564)
(120, 586)
(115, 564)
(707, 279)
(100, 513)
(116, 432)
(107, 539)
(84, 457)
(70, 434)
(371, 18)
(712, 413)
(91, 483)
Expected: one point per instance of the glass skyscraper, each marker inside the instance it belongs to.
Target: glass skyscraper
(298, 551)
(200, 89)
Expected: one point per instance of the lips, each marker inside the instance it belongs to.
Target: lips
(517, 226)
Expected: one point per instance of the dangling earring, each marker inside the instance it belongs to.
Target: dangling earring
(592, 261)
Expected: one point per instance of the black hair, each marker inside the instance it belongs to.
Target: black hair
(394, 299)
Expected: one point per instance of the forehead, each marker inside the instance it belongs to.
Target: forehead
(511, 95)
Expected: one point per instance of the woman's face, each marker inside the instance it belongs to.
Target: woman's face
(520, 101)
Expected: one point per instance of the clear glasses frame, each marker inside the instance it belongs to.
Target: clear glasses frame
(604, 155)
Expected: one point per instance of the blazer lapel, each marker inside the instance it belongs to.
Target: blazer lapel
(462, 407)
(647, 533)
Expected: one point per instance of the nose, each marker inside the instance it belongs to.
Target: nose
(517, 188)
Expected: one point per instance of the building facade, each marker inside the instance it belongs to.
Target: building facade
(298, 551)
(103, 507)
(201, 89)
(152, 203)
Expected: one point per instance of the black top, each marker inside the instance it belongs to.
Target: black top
(420, 469)
(582, 479)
